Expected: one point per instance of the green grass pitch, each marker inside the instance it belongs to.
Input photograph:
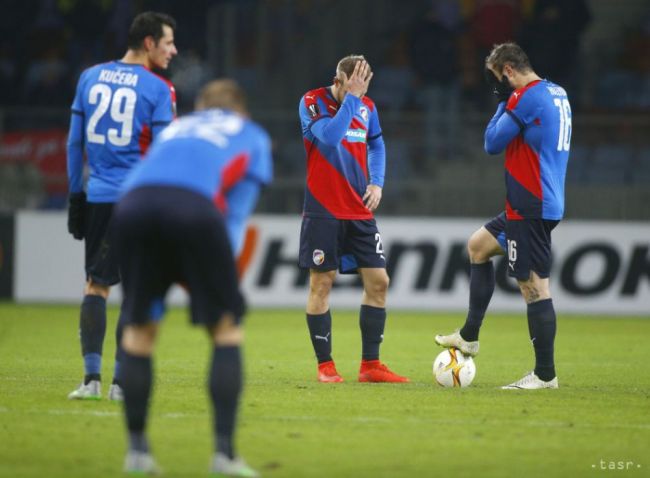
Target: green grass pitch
(292, 426)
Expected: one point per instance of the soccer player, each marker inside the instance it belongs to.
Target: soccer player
(169, 230)
(345, 176)
(533, 125)
(118, 108)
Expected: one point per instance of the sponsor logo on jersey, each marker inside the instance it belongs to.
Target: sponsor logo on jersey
(363, 111)
(356, 135)
(318, 256)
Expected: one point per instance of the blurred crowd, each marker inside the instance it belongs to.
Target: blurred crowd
(432, 59)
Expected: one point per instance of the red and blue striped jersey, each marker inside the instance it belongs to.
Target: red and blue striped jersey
(534, 127)
(117, 110)
(345, 152)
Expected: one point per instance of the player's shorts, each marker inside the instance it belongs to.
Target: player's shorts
(101, 260)
(527, 244)
(166, 235)
(329, 244)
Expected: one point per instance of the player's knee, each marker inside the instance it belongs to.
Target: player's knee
(378, 287)
(139, 339)
(92, 288)
(321, 286)
(227, 334)
(476, 249)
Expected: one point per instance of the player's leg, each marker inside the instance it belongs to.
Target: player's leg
(483, 244)
(209, 272)
(101, 272)
(319, 253)
(137, 380)
(115, 391)
(144, 262)
(363, 252)
(529, 261)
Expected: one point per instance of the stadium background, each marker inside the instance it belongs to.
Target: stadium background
(427, 58)
(440, 186)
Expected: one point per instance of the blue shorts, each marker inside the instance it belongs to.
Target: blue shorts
(330, 244)
(526, 242)
(166, 235)
(101, 260)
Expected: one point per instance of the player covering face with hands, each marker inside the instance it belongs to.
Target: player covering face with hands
(533, 125)
(345, 175)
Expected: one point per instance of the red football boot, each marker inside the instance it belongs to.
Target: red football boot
(375, 371)
(327, 373)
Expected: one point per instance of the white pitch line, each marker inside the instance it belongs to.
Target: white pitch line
(357, 419)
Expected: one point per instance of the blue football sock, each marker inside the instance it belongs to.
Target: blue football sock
(225, 383)
(481, 287)
(137, 380)
(320, 332)
(92, 329)
(371, 322)
(542, 326)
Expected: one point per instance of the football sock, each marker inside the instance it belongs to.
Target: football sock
(371, 322)
(320, 332)
(119, 353)
(542, 326)
(136, 381)
(225, 383)
(481, 287)
(92, 328)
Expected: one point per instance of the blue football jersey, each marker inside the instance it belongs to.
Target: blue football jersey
(537, 130)
(213, 153)
(118, 108)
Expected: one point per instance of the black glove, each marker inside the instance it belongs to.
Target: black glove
(77, 215)
(500, 89)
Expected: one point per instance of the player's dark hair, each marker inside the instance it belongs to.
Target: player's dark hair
(347, 64)
(509, 53)
(223, 93)
(148, 24)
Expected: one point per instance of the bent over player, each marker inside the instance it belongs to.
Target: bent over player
(118, 107)
(533, 125)
(169, 230)
(345, 175)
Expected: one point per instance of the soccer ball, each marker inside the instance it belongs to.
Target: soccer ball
(453, 369)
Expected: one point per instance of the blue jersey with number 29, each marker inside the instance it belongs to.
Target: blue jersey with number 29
(117, 110)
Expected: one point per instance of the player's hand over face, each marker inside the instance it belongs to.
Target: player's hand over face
(372, 197)
(359, 80)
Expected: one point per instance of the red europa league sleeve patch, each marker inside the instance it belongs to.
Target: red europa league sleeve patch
(313, 110)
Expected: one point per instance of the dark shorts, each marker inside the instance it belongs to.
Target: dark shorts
(526, 242)
(166, 235)
(330, 244)
(101, 260)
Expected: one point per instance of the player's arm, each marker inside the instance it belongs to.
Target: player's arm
(75, 150)
(331, 130)
(243, 195)
(241, 198)
(502, 128)
(164, 110)
(376, 163)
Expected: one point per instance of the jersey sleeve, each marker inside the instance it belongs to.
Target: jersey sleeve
(522, 107)
(163, 111)
(376, 150)
(261, 165)
(332, 130)
(501, 129)
(75, 144)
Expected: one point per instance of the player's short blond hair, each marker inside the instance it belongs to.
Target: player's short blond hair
(223, 93)
(346, 65)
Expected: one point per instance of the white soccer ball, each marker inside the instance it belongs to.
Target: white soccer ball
(451, 368)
